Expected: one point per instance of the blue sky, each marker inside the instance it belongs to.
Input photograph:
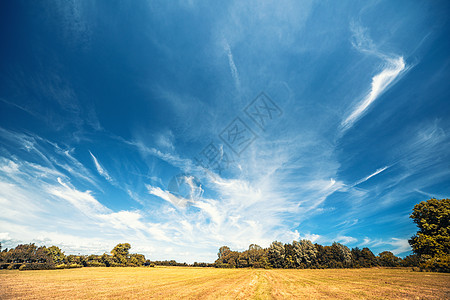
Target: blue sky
(183, 126)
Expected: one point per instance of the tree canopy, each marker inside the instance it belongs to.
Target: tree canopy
(432, 241)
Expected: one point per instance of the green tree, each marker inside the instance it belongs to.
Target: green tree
(305, 253)
(137, 259)
(223, 251)
(56, 254)
(289, 259)
(388, 259)
(120, 253)
(363, 258)
(254, 254)
(433, 237)
(344, 254)
(276, 254)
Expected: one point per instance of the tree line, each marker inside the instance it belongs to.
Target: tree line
(32, 257)
(304, 254)
(431, 247)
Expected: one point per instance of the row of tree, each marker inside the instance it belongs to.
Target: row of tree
(431, 247)
(304, 254)
(32, 257)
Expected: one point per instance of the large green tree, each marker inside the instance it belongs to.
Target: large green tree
(120, 253)
(276, 254)
(433, 237)
(56, 254)
(305, 253)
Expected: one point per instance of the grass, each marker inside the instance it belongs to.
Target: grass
(206, 283)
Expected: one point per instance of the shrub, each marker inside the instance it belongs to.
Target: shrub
(61, 266)
(14, 266)
(437, 264)
(74, 266)
(114, 264)
(36, 266)
(95, 264)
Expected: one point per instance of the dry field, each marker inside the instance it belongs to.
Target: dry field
(205, 283)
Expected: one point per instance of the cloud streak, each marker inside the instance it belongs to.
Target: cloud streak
(233, 69)
(371, 175)
(393, 67)
(100, 169)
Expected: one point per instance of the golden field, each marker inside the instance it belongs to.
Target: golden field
(210, 283)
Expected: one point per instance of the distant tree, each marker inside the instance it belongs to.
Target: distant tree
(289, 259)
(56, 254)
(305, 253)
(363, 258)
(120, 253)
(388, 259)
(433, 219)
(243, 260)
(137, 260)
(412, 260)
(223, 251)
(276, 254)
(107, 260)
(263, 261)
(344, 254)
(254, 254)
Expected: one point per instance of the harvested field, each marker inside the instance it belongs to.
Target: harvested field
(205, 283)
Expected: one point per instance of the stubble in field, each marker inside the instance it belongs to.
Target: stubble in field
(200, 283)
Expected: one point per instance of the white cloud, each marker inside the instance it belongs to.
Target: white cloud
(168, 196)
(312, 237)
(165, 140)
(84, 201)
(233, 69)
(124, 219)
(393, 67)
(100, 169)
(401, 246)
(380, 83)
(378, 171)
(346, 239)
(4, 236)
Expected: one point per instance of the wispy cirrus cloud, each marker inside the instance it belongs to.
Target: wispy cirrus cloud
(233, 69)
(378, 171)
(393, 67)
(397, 246)
(100, 169)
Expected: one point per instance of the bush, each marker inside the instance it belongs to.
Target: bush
(13, 266)
(74, 266)
(61, 266)
(437, 264)
(36, 266)
(95, 264)
(114, 264)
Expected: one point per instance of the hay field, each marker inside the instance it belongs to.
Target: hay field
(206, 283)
